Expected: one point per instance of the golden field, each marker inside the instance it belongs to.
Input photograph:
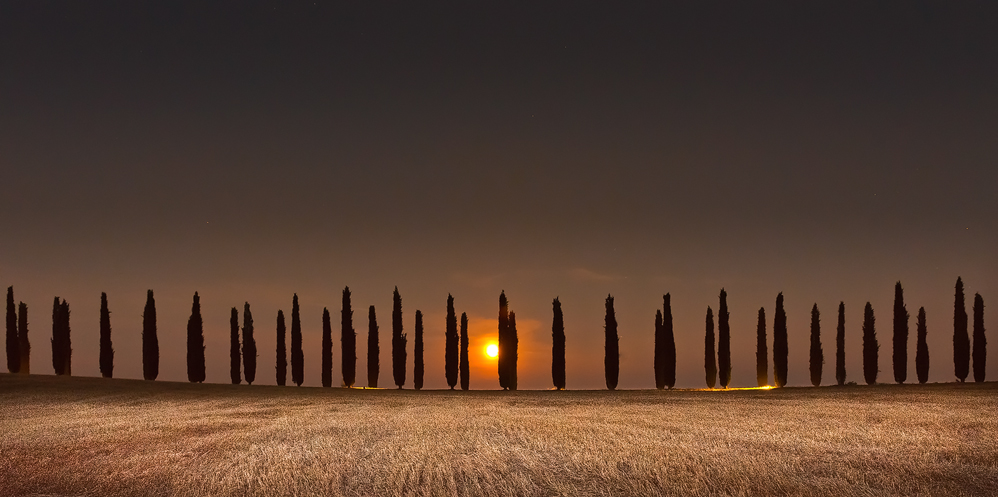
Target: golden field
(92, 436)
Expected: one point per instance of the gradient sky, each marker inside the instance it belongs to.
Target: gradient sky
(251, 150)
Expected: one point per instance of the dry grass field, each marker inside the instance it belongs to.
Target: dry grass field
(90, 436)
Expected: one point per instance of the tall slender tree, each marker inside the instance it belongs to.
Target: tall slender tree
(281, 364)
(840, 346)
(503, 346)
(348, 338)
(22, 338)
(465, 373)
(106, 349)
(195, 343)
(373, 349)
(297, 356)
(514, 342)
(781, 350)
(62, 351)
(870, 346)
(150, 343)
(961, 341)
(761, 351)
(557, 345)
(817, 355)
(709, 359)
(234, 358)
(980, 341)
(399, 358)
(327, 350)
(900, 342)
(397, 353)
(670, 342)
(659, 360)
(249, 345)
(611, 362)
(451, 344)
(418, 367)
(723, 341)
(13, 345)
(921, 348)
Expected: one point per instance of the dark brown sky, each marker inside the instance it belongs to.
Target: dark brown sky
(250, 151)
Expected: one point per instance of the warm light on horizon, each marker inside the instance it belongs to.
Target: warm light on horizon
(492, 350)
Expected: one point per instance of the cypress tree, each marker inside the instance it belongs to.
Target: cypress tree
(780, 348)
(61, 346)
(249, 345)
(557, 345)
(66, 342)
(709, 364)
(418, 368)
(400, 359)
(234, 359)
(723, 341)
(611, 361)
(659, 361)
(327, 350)
(900, 355)
(503, 332)
(398, 349)
(870, 346)
(840, 346)
(150, 343)
(106, 350)
(451, 344)
(348, 339)
(980, 342)
(22, 338)
(961, 341)
(761, 351)
(373, 349)
(514, 343)
(465, 373)
(921, 349)
(817, 356)
(297, 356)
(195, 343)
(13, 344)
(282, 353)
(670, 342)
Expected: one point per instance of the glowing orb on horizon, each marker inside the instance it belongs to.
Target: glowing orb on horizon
(492, 350)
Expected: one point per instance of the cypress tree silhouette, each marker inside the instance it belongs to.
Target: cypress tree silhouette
(921, 349)
(399, 359)
(557, 345)
(503, 346)
(709, 364)
(723, 341)
(980, 341)
(514, 342)
(348, 339)
(450, 345)
(249, 345)
(61, 347)
(611, 361)
(761, 351)
(961, 341)
(900, 355)
(106, 350)
(659, 360)
(780, 349)
(396, 338)
(327, 350)
(13, 345)
(22, 337)
(195, 343)
(418, 368)
(373, 349)
(234, 359)
(870, 346)
(465, 372)
(840, 346)
(817, 356)
(670, 342)
(150, 343)
(297, 356)
(282, 353)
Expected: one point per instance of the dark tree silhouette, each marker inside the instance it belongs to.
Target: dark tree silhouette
(557, 345)
(451, 344)
(418, 368)
(961, 341)
(780, 349)
(399, 355)
(817, 356)
(870, 346)
(980, 342)
(249, 345)
(62, 351)
(921, 348)
(106, 350)
(465, 372)
(373, 349)
(398, 364)
(900, 355)
(503, 346)
(348, 338)
(13, 345)
(761, 351)
(670, 342)
(195, 343)
(150, 343)
(659, 361)
(709, 364)
(327, 350)
(514, 342)
(297, 356)
(282, 353)
(611, 361)
(234, 359)
(22, 337)
(840, 346)
(723, 341)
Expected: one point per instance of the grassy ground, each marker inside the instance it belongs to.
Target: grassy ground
(93, 436)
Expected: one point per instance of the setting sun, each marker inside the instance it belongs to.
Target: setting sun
(492, 350)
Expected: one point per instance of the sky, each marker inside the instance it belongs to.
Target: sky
(251, 151)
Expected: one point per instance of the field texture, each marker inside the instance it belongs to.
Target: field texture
(90, 436)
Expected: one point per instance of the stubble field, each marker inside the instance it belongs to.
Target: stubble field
(91, 436)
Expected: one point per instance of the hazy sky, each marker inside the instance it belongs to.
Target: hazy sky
(249, 151)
